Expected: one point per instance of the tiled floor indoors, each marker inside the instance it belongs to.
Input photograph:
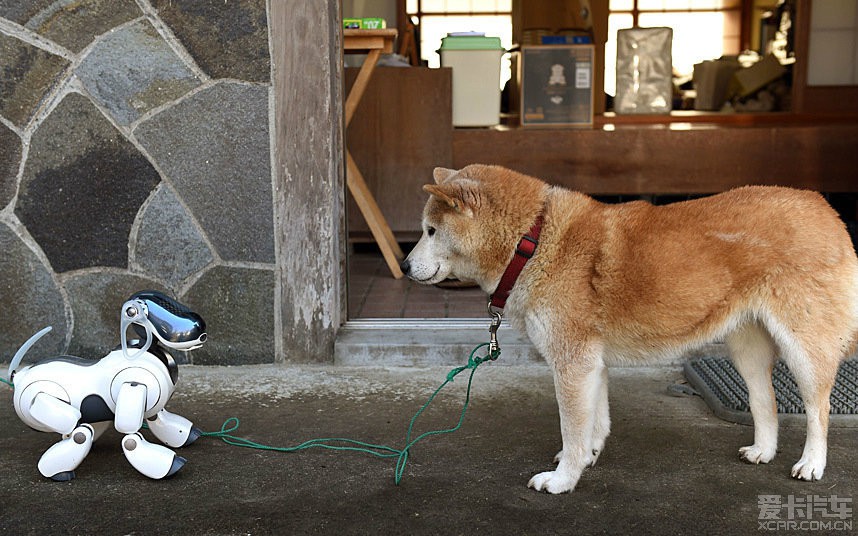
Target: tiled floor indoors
(374, 293)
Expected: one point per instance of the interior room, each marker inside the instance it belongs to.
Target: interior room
(757, 92)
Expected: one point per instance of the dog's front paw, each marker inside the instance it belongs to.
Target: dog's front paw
(553, 482)
(809, 469)
(757, 454)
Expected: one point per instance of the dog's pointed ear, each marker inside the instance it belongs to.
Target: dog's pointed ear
(443, 193)
(464, 196)
(441, 174)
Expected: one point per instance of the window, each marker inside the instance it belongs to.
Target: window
(702, 30)
(437, 18)
(833, 49)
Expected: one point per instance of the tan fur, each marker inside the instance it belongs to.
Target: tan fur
(769, 270)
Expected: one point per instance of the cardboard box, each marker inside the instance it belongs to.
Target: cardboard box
(711, 79)
(748, 81)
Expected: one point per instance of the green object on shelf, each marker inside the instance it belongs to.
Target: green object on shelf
(366, 23)
(470, 42)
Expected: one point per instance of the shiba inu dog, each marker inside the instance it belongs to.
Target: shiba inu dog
(770, 271)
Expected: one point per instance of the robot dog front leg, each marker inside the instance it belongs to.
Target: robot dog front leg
(59, 462)
(173, 430)
(154, 461)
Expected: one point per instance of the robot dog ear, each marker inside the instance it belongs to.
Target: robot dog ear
(442, 174)
(462, 195)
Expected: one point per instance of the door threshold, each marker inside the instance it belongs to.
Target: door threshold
(415, 342)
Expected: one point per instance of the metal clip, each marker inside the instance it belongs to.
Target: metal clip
(497, 316)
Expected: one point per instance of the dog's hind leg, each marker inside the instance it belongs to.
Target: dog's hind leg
(577, 382)
(602, 421)
(753, 354)
(815, 382)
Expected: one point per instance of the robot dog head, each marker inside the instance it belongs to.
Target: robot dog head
(152, 313)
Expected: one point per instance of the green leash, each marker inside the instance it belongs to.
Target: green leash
(381, 451)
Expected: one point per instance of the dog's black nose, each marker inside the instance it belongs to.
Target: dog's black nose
(405, 266)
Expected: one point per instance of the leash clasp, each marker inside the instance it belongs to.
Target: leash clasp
(497, 317)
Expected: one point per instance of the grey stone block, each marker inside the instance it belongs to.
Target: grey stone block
(238, 307)
(133, 70)
(214, 148)
(169, 246)
(28, 74)
(10, 160)
(227, 39)
(30, 301)
(96, 300)
(82, 188)
(70, 24)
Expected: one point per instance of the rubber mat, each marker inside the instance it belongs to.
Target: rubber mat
(721, 386)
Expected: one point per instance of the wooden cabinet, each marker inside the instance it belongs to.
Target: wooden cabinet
(402, 130)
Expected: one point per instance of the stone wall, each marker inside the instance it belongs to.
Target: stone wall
(135, 153)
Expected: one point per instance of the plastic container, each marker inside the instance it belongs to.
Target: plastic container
(476, 78)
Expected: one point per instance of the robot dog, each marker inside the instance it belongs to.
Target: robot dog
(79, 398)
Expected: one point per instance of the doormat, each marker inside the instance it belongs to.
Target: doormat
(724, 390)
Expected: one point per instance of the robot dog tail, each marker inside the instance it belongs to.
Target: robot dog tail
(19, 355)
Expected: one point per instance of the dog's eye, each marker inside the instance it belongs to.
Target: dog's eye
(430, 231)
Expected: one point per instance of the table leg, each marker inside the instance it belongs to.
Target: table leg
(360, 84)
(374, 218)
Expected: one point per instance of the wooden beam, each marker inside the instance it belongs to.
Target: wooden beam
(308, 178)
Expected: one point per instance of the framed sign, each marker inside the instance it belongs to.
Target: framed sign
(556, 84)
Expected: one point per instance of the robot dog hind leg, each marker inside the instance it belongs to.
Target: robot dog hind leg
(60, 461)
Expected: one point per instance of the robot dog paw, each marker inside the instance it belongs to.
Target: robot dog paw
(154, 461)
(193, 436)
(178, 463)
(63, 476)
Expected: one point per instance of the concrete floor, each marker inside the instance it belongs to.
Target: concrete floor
(669, 467)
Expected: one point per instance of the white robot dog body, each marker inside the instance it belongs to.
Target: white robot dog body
(80, 398)
(83, 385)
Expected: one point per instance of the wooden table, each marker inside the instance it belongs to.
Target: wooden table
(373, 43)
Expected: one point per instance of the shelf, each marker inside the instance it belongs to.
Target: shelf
(659, 158)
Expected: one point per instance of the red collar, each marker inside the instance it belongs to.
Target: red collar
(523, 252)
